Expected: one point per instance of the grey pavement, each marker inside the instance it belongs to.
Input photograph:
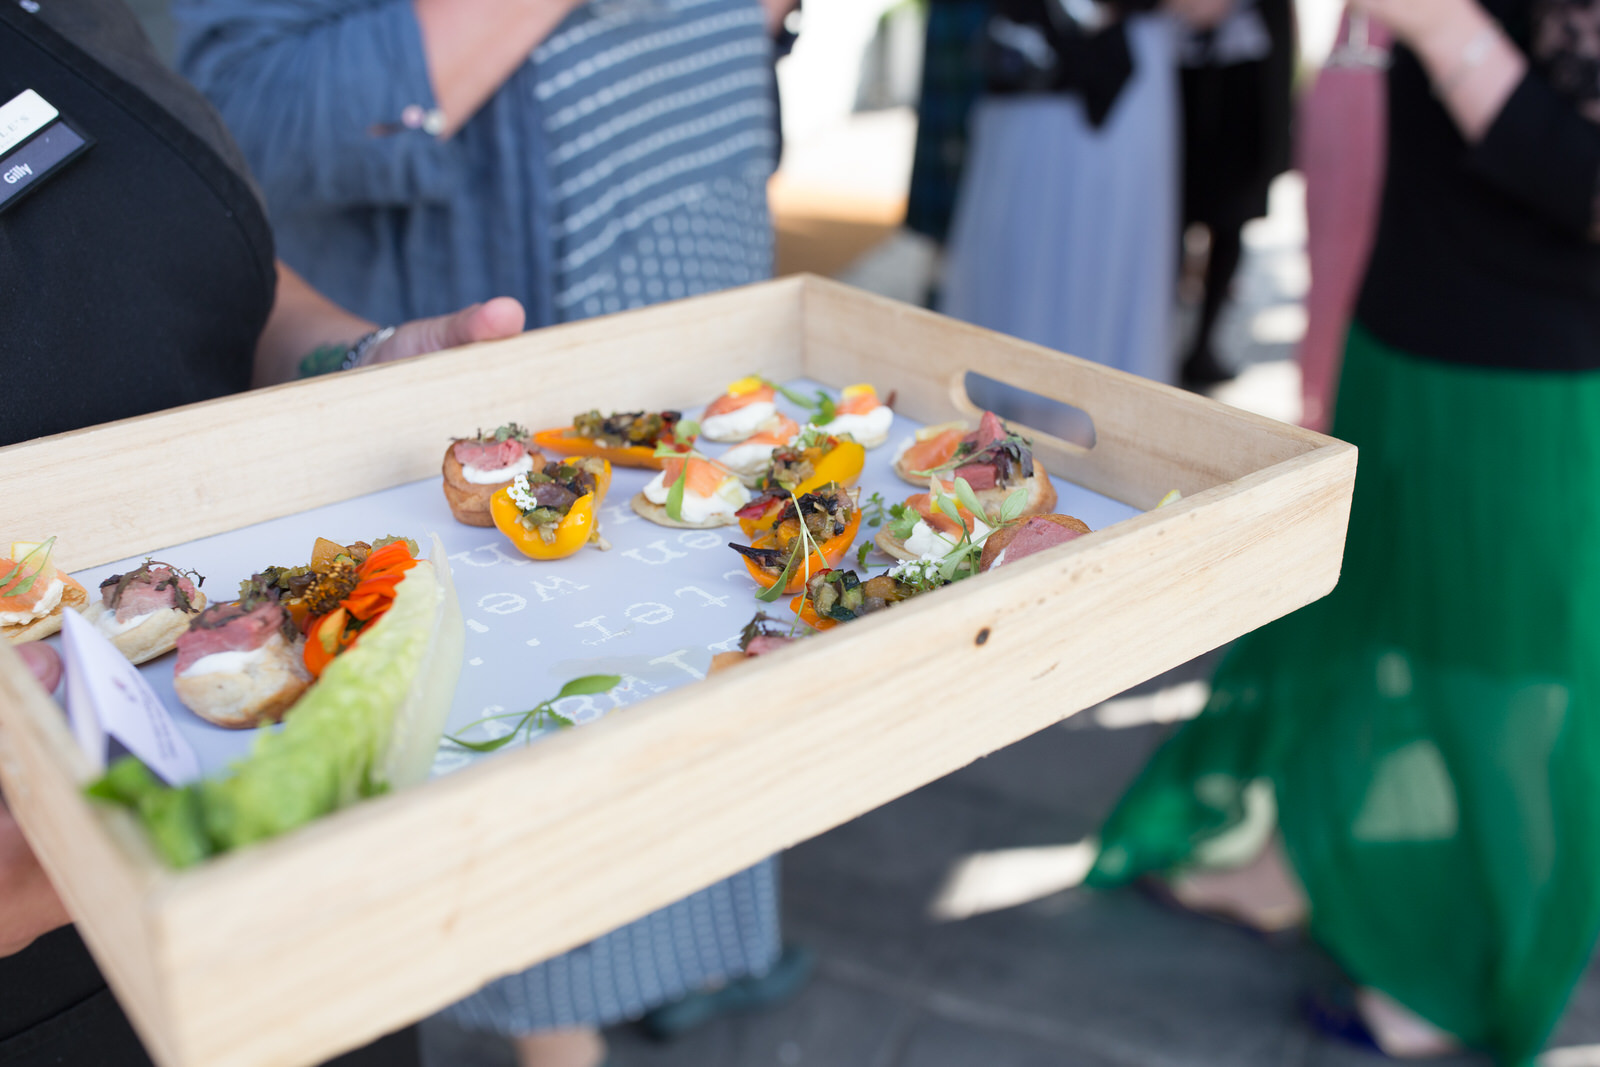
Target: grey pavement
(1073, 977)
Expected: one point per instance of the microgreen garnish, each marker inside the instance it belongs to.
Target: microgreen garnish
(675, 494)
(542, 715)
(861, 554)
(19, 582)
(876, 510)
(820, 403)
(789, 394)
(685, 432)
(803, 547)
(825, 409)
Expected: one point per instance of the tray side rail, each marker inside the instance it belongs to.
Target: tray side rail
(98, 860)
(1149, 438)
(163, 479)
(700, 782)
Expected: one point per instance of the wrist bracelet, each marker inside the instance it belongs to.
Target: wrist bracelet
(330, 358)
(1472, 56)
(358, 353)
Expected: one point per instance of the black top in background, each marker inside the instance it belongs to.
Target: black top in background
(1484, 253)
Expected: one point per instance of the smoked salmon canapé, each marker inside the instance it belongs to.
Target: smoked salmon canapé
(33, 593)
(860, 416)
(748, 407)
(692, 493)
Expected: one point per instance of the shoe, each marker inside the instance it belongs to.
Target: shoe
(1203, 369)
(1332, 1012)
(786, 978)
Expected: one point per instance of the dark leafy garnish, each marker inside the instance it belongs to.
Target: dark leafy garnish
(511, 431)
(20, 580)
(622, 429)
(542, 715)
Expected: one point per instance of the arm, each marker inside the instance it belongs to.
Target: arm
(302, 319)
(1525, 138)
(1473, 64)
(29, 906)
(473, 46)
(315, 90)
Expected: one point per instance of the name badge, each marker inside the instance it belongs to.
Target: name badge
(35, 142)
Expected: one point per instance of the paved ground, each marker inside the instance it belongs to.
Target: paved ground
(1069, 978)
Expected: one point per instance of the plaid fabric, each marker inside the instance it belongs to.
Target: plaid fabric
(952, 78)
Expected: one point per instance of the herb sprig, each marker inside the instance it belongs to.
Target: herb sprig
(19, 583)
(542, 715)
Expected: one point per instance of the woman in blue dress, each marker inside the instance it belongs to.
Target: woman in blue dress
(584, 157)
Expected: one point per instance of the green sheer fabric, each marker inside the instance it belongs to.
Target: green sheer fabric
(1429, 730)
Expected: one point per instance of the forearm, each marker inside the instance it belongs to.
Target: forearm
(1474, 67)
(29, 905)
(301, 320)
(473, 46)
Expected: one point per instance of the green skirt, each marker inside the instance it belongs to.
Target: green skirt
(1430, 732)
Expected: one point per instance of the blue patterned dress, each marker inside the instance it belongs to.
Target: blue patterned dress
(624, 164)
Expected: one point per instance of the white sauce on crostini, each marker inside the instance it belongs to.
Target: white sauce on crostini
(929, 543)
(747, 459)
(738, 424)
(46, 604)
(479, 476)
(232, 661)
(868, 430)
(730, 496)
(109, 625)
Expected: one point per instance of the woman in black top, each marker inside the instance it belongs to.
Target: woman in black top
(1428, 736)
(135, 275)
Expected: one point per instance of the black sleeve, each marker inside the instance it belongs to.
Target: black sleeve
(1545, 154)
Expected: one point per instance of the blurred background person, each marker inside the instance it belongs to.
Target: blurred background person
(1066, 224)
(1235, 82)
(1339, 148)
(586, 158)
(1428, 736)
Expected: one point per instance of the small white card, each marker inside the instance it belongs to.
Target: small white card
(23, 116)
(107, 695)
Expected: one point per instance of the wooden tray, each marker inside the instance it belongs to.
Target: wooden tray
(295, 950)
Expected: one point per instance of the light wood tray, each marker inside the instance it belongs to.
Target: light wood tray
(303, 947)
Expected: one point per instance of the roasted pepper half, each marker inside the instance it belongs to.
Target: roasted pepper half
(628, 439)
(829, 520)
(550, 514)
(799, 469)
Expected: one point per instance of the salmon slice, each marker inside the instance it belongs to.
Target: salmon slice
(941, 523)
(934, 452)
(734, 401)
(704, 476)
(781, 434)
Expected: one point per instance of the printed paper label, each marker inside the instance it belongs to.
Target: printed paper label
(123, 702)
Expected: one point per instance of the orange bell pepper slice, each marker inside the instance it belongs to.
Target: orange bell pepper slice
(802, 606)
(377, 578)
(567, 441)
(826, 556)
(572, 533)
(841, 464)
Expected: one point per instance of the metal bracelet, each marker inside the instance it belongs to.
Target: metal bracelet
(356, 355)
(1472, 56)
